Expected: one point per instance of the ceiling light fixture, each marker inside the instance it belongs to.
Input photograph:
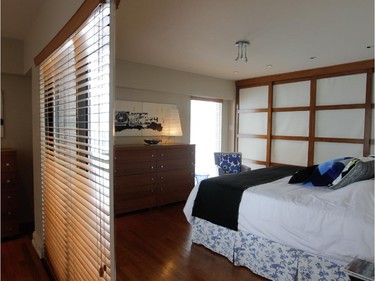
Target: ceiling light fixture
(241, 50)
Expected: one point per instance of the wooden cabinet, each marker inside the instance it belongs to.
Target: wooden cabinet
(149, 176)
(9, 193)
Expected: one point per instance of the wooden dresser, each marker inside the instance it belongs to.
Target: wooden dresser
(148, 176)
(9, 193)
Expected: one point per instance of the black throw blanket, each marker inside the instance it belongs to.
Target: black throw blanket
(218, 199)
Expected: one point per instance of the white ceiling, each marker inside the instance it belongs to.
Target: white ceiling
(198, 36)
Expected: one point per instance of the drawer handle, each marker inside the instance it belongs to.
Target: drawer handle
(10, 213)
(162, 166)
(152, 167)
(7, 164)
(8, 181)
(9, 197)
(161, 155)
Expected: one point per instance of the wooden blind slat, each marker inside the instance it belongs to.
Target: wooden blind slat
(75, 149)
(69, 28)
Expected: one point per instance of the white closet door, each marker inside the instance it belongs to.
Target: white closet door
(254, 149)
(253, 123)
(255, 97)
(348, 89)
(340, 123)
(344, 123)
(291, 94)
(328, 150)
(293, 123)
(289, 152)
(290, 123)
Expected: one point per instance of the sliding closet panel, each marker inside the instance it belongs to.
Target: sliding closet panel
(281, 152)
(323, 114)
(340, 123)
(293, 123)
(348, 89)
(253, 166)
(253, 123)
(255, 97)
(252, 120)
(329, 150)
(252, 148)
(291, 94)
(345, 123)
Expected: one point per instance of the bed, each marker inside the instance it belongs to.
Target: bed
(287, 230)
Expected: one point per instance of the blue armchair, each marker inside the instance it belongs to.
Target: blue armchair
(229, 163)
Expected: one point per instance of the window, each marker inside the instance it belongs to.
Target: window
(76, 143)
(205, 133)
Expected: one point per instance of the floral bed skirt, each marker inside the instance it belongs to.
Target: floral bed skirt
(265, 257)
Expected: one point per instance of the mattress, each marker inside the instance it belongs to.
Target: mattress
(337, 224)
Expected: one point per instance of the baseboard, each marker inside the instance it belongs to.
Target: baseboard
(38, 244)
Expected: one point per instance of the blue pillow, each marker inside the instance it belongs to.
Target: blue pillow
(230, 163)
(326, 172)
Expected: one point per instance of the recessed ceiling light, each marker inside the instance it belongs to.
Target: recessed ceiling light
(312, 58)
(235, 72)
(269, 65)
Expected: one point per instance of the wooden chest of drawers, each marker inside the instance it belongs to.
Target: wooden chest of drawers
(9, 193)
(149, 176)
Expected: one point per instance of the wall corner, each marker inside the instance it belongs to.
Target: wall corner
(37, 243)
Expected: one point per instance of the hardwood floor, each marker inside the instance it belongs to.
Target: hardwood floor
(19, 261)
(156, 245)
(150, 245)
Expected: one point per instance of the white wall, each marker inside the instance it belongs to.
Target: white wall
(11, 56)
(147, 77)
(17, 134)
(16, 88)
(52, 17)
(145, 83)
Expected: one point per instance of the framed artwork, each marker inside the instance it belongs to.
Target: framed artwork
(140, 118)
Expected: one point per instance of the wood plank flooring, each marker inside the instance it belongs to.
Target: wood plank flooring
(150, 245)
(19, 261)
(156, 245)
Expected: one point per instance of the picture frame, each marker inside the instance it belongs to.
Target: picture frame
(133, 118)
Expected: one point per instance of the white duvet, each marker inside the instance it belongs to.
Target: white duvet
(338, 224)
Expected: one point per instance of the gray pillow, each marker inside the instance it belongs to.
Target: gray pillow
(361, 171)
